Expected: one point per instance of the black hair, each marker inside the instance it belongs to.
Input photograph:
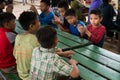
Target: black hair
(6, 17)
(70, 12)
(27, 18)
(46, 36)
(47, 2)
(63, 4)
(106, 1)
(96, 12)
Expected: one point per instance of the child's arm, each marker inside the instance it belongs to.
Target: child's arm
(81, 29)
(75, 72)
(65, 53)
(87, 32)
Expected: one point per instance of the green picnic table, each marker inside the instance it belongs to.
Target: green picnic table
(96, 63)
(71, 40)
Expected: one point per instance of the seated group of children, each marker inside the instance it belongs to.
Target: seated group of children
(34, 55)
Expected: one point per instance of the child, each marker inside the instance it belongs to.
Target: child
(25, 43)
(95, 31)
(72, 19)
(7, 38)
(9, 8)
(46, 16)
(45, 64)
(61, 21)
(108, 14)
(2, 5)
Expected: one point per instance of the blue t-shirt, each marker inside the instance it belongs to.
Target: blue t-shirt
(73, 29)
(47, 19)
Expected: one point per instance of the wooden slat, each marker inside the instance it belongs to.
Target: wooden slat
(104, 52)
(97, 67)
(73, 37)
(99, 58)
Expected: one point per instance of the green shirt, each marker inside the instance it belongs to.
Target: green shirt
(24, 45)
(45, 65)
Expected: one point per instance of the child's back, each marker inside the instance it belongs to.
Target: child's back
(45, 63)
(25, 43)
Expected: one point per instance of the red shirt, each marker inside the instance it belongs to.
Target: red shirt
(97, 33)
(6, 50)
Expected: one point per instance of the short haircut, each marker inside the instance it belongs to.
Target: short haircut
(6, 17)
(96, 12)
(46, 36)
(70, 12)
(105, 1)
(47, 2)
(63, 4)
(27, 18)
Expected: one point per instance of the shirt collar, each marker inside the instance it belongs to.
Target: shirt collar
(52, 50)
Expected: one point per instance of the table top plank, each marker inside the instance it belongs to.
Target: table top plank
(104, 52)
(97, 67)
(99, 58)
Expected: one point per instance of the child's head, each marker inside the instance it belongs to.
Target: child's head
(71, 16)
(107, 1)
(7, 20)
(44, 5)
(95, 17)
(9, 8)
(62, 7)
(29, 21)
(2, 4)
(47, 37)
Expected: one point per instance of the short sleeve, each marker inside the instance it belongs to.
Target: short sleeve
(62, 67)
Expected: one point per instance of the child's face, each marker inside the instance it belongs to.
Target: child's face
(95, 19)
(35, 27)
(62, 11)
(11, 24)
(71, 19)
(2, 5)
(9, 8)
(43, 7)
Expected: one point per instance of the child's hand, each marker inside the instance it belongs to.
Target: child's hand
(65, 53)
(73, 62)
(81, 29)
(56, 20)
(33, 9)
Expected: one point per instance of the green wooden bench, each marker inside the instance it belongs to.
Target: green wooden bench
(8, 76)
(98, 61)
(71, 40)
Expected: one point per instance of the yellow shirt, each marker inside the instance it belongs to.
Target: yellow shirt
(24, 45)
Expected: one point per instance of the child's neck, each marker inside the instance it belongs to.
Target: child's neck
(46, 12)
(96, 25)
(75, 24)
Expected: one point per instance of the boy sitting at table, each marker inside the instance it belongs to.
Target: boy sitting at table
(46, 15)
(95, 31)
(7, 39)
(46, 64)
(25, 43)
(72, 19)
(60, 21)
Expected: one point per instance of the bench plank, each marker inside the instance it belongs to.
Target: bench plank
(73, 37)
(97, 67)
(103, 52)
(99, 58)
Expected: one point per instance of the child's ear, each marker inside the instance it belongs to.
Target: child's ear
(56, 40)
(31, 26)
